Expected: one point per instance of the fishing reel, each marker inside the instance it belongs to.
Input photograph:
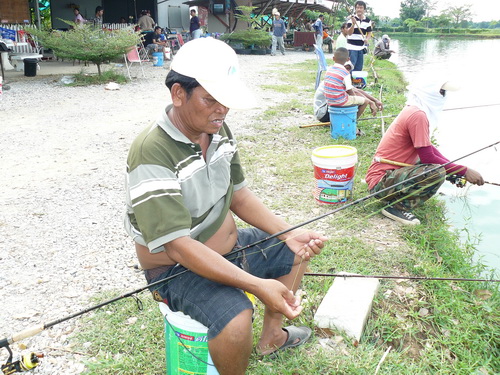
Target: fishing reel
(457, 180)
(25, 363)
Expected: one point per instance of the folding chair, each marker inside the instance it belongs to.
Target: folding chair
(143, 52)
(322, 66)
(132, 57)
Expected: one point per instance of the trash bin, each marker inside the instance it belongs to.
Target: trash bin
(30, 67)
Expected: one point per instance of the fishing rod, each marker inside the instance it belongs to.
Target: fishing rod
(389, 116)
(492, 183)
(424, 278)
(31, 331)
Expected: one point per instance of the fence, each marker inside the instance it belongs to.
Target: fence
(16, 33)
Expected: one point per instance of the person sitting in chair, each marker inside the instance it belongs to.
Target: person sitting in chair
(158, 43)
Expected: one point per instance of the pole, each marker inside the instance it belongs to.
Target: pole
(37, 14)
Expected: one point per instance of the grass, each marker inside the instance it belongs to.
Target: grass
(86, 79)
(433, 327)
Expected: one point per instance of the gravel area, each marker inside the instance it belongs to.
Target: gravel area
(63, 153)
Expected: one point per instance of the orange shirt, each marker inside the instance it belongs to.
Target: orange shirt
(409, 131)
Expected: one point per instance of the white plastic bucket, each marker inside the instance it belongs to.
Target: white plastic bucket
(359, 79)
(186, 344)
(334, 168)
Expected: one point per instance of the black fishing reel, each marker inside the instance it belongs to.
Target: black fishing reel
(457, 180)
(25, 363)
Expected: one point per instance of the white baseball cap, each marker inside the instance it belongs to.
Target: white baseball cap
(215, 66)
(451, 86)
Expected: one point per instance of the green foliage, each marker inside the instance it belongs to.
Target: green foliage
(415, 9)
(248, 37)
(459, 13)
(84, 79)
(87, 43)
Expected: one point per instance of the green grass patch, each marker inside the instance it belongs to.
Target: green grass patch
(285, 89)
(86, 79)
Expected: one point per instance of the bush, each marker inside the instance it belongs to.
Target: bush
(248, 37)
(87, 43)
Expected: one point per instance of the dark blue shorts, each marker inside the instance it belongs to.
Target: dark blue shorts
(212, 304)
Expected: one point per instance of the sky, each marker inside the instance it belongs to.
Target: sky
(483, 10)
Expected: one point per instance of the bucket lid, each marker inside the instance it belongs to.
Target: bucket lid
(334, 151)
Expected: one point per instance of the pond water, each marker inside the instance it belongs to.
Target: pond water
(473, 209)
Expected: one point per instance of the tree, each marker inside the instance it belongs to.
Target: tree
(415, 9)
(443, 21)
(411, 24)
(460, 13)
(87, 43)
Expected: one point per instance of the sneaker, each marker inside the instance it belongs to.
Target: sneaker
(359, 132)
(404, 217)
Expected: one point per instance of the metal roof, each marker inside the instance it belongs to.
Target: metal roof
(287, 8)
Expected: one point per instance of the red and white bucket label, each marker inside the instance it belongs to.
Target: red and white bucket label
(333, 185)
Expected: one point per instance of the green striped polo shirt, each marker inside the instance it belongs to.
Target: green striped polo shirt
(172, 191)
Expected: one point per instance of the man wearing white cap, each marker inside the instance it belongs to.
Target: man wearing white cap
(382, 49)
(279, 31)
(408, 142)
(184, 183)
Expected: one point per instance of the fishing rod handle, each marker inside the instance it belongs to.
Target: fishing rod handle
(28, 332)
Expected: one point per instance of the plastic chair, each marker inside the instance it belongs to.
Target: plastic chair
(322, 66)
(132, 57)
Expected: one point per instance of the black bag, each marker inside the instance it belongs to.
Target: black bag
(365, 50)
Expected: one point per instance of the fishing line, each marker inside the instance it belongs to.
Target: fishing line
(425, 278)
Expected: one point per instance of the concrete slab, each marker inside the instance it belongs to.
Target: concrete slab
(346, 305)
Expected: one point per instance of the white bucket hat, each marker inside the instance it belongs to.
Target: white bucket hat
(215, 66)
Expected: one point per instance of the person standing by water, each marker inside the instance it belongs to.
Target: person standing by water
(194, 25)
(279, 31)
(359, 33)
(408, 141)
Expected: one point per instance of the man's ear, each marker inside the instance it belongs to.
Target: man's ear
(178, 95)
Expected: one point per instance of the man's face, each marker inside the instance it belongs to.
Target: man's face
(360, 11)
(100, 13)
(201, 113)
